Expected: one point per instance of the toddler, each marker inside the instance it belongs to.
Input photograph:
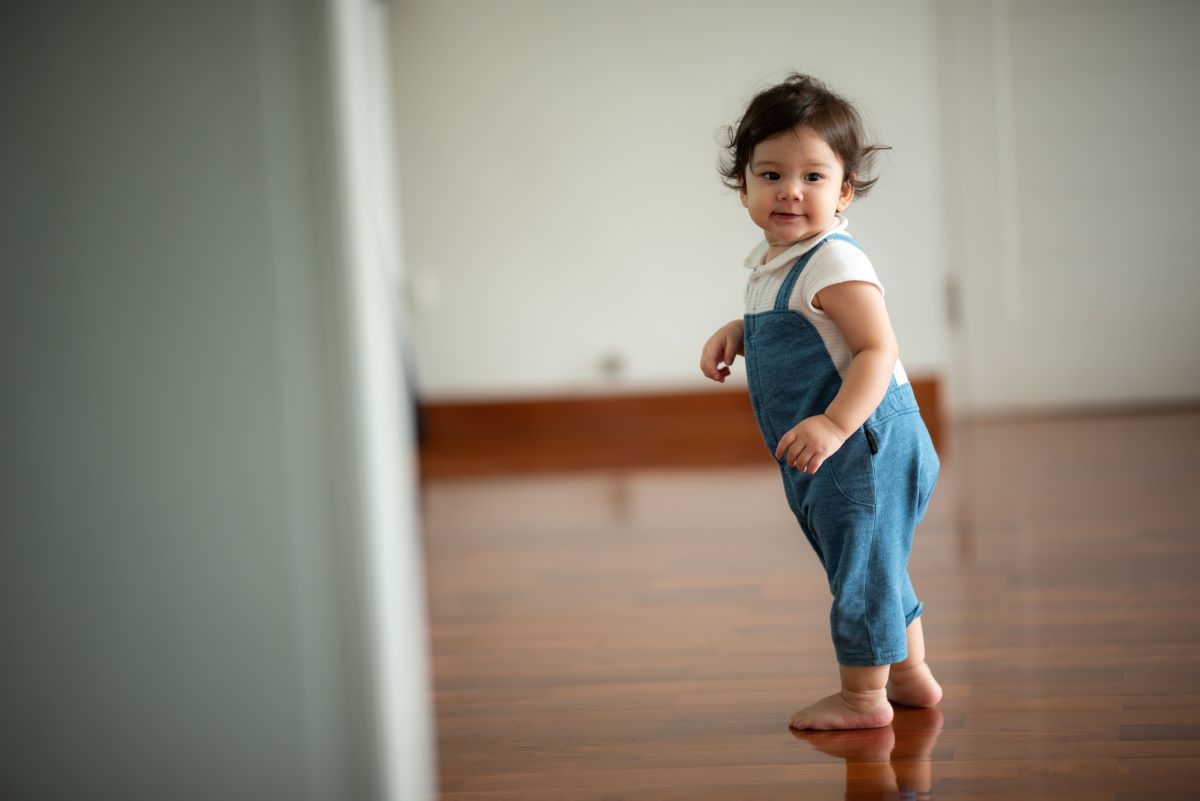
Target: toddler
(830, 395)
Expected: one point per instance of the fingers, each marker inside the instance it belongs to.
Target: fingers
(711, 359)
(710, 370)
(810, 461)
(784, 444)
(801, 459)
(807, 445)
(803, 456)
(708, 363)
(806, 461)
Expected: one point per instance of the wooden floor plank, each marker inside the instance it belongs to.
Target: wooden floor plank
(644, 634)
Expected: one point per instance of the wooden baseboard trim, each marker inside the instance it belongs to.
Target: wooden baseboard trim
(683, 429)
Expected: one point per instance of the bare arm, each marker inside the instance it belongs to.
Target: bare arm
(857, 308)
(720, 350)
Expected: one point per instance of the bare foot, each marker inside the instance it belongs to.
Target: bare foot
(845, 710)
(913, 686)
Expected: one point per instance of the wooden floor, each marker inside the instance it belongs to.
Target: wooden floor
(645, 635)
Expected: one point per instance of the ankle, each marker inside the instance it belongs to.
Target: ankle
(863, 699)
(905, 670)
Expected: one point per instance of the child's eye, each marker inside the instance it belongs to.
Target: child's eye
(770, 176)
(813, 177)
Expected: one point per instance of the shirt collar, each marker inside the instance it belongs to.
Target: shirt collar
(755, 260)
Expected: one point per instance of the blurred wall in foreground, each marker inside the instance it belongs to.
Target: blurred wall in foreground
(189, 597)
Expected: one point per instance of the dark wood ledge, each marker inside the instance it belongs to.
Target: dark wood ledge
(682, 429)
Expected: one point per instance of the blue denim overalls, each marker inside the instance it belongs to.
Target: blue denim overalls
(860, 508)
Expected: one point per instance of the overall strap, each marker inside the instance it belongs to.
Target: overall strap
(789, 283)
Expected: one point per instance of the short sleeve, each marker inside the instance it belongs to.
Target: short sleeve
(835, 262)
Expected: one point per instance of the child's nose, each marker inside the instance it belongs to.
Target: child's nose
(790, 190)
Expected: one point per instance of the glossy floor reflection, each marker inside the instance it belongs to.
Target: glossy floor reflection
(644, 636)
(894, 763)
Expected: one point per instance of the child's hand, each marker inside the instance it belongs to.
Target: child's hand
(721, 349)
(810, 443)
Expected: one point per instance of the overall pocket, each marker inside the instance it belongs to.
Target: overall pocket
(852, 470)
(928, 476)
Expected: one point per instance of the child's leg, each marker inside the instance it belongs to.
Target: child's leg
(861, 704)
(911, 682)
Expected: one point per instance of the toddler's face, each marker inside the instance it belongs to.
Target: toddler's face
(793, 187)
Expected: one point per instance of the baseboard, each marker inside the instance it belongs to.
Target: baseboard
(684, 429)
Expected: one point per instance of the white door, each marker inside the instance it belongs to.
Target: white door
(1073, 176)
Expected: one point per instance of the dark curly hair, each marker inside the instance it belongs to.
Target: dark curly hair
(801, 100)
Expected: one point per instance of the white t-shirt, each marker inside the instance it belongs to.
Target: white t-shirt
(836, 262)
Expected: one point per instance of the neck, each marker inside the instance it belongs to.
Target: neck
(775, 250)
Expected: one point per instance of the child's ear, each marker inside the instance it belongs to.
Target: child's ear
(846, 195)
(742, 192)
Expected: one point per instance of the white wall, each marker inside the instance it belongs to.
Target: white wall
(561, 200)
(1072, 165)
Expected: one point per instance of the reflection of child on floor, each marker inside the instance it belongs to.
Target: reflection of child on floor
(830, 393)
(890, 762)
